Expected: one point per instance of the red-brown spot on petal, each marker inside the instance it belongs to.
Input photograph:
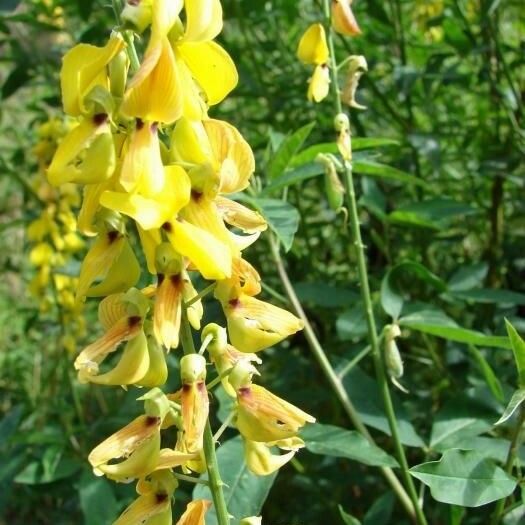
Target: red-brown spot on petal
(161, 497)
(152, 421)
(134, 320)
(196, 195)
(167, 227)
(234, 303)
(139, 124)
(100, 118)
(113, 236)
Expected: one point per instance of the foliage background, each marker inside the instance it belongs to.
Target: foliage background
(446, 84)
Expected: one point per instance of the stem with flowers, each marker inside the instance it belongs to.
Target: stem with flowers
(214, 477)
(317, 48)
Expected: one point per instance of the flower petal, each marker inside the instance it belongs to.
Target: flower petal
(203, 20)
(313, 48)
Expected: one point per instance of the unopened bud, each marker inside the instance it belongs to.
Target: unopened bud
(343, 19)
(167, 260)
(252, 520)
(192, 368)
(393, 360)
(156, 404)
(241, 375)
(333, 187)
(136, 15)
(118, 74)
(218, 334)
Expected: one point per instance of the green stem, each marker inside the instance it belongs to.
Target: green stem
(214, 478)
(332, 377)
(378, 358)
(509, 464)
(128, 37)
(200, 295)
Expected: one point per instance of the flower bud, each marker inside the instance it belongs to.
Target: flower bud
(136, 15)
(192, 368)
(118, 74)
(219, 335)
(252, 520)
(333, 187)
(343, 19)
(241, 375)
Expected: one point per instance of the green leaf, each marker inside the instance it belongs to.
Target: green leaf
(329, 440)
(17, 78)
(489, 296)
(439, 324)
(36, 473)
(518, 348)
(515, 401)
(348, 519)
(456, 421)
(309, 154)
(351, 324)
(380, 512)
(358, 144)
(383, 171)
(324, 295)
(294, 176)
(9, 424)
(464, 478)
(366, 396)
(244, 492)
(282, 218)
(435, 214)
(490, 377)
(391, 297)
(286, 150)
(468, 277)
(97, 500)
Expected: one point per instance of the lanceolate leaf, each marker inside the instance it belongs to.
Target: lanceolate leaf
(282, 218)
(287, 149)
(516, 400)
(329, 440)
(438, 324)
(383, 171)
(464, 478)
(391, 296)
(244, 492)
(518, 347)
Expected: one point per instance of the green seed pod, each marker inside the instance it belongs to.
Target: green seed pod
(118, 74)
(333, 187)
(393, 360)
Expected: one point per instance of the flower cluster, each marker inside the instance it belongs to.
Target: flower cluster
(158, 174)
(52, 235)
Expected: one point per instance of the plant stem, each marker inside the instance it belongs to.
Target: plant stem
(511, 458)
(128, 37)
(333, 378)
(214, 477)
(378, 358)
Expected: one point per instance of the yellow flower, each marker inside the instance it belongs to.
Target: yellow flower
(313, 49)
(153, 506)
(219, 161)
(138, 443)
(112, 260)
(195, 512)
(319, 84)
(173, 285)
(223, 355)
(174, 76)
(262, 462)
(253, 325)
(194, 400)
(84, 68)
(122, 315)
(262, 416)
(86, 155)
